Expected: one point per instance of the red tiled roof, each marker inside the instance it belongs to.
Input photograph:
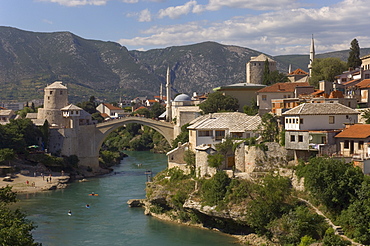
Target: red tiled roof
(298, 71)
(152, 101)
(355, 131)
(163, 97)
(139, 108)
(364, 84)
(352, 82)
(104, 115)
(283, 87)
(111, 107)
(336, 94)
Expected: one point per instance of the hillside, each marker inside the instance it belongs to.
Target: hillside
(31, 60)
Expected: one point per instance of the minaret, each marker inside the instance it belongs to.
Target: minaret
(161, 93)
(312, 56)
(290, 68)
(168, 89)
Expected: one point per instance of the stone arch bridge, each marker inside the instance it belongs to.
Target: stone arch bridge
(91, 137)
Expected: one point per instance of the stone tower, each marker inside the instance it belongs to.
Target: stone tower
(168, 90)
(312, 56)
(256, 67)
(55, 98)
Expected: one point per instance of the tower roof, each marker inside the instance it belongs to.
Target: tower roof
(56, 85)
(262, 57)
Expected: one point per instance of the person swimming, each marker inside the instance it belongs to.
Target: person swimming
(69, 212)
(87, 206)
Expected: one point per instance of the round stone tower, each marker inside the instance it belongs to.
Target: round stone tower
(55, 98)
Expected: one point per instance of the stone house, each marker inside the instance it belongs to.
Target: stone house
(298, 75)
(111, 110)
(353, 144)
(310, 128)
(211, 129)
(6, 115)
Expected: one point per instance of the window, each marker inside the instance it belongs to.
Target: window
(204, 133)
(360, 144)
(292, 138)
(286, 121)
(220, 134)
(300, 138)
(61, 93)
(300, 121)
(264, 97)
(51, 92)
(331, 120)
(346, 144)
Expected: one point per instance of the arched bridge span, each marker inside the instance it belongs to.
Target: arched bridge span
(91, 137)
(164, 128)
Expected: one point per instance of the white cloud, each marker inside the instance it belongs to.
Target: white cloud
(176, 12)
(74, 3)
(130, 1)
(248, 4)
(47, 21)
(145, 16)
(281, 32)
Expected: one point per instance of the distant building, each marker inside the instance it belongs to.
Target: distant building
(244, 92)
(298, 75)
(6, 115)
(111, 110)
(279, 91)
(256, 68)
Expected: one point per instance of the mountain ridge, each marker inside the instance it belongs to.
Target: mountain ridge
(109, 71)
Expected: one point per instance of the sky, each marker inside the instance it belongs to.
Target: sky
(274, 27)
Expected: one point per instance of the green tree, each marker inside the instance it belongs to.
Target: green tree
(330, 239)
(223, 149)
(326, 69)
(268, 202)
(356, 219)
(88, 106)
(142, 111)
(6, 154)
(252, 109)
(183, 137)
(299, 222)
(354, 60)
(269, 128)
(332, 182)
(156, 110)
(266, 73)
(218, 102)
(15, 229)
(213, 190)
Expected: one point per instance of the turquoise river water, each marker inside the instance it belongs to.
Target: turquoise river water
(109, 220)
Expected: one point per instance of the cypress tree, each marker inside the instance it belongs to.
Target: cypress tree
(354, 60)
(266, 73)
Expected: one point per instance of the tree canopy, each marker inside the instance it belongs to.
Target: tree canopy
(15, 229)
(354, 60)
(326, 69)
(218, 102)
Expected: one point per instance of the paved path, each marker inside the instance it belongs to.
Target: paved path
(336, 228)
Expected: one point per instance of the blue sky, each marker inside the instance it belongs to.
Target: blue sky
(275, 27)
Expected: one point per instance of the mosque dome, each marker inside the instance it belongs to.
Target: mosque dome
(182, 98)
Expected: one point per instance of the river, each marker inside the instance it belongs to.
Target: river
(109, 220)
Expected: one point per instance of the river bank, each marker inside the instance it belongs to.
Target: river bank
(30, 184)
(249, 239)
